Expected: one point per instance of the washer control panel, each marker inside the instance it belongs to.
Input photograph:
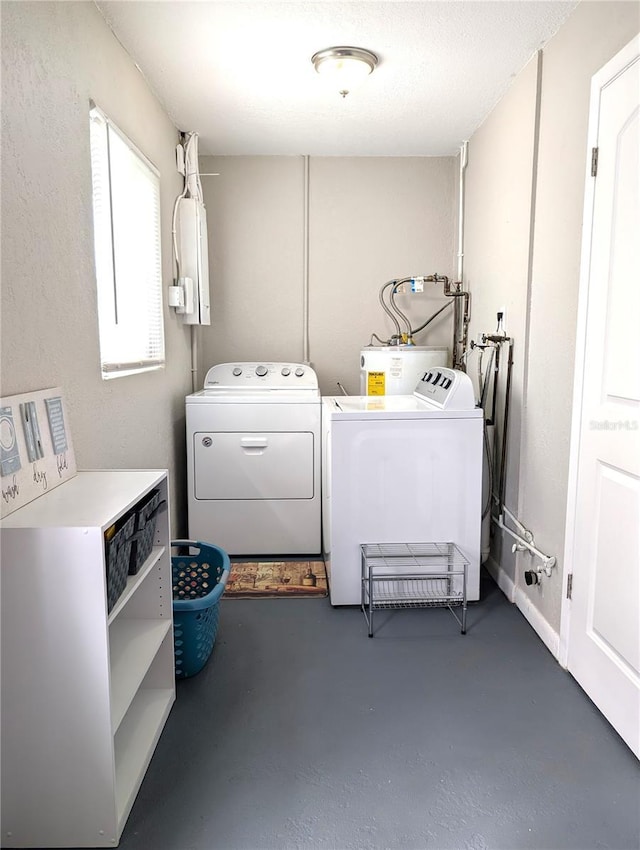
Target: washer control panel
(447, 389)
(256, 377)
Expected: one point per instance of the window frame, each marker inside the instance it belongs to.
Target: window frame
(149, 346)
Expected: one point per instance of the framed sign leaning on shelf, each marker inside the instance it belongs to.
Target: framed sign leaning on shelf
(36, 452)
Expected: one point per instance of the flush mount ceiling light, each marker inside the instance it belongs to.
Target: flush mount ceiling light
(345, 66)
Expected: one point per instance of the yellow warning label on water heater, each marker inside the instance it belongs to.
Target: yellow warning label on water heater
(375, 383)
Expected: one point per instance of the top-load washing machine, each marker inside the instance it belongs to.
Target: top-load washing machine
(401, 469)
(253, 459)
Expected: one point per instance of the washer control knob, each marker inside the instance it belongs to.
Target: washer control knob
(299, 372)
(286, 371)
(261, 371)
(237, 371)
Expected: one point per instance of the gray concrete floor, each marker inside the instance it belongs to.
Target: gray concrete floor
(301, 732)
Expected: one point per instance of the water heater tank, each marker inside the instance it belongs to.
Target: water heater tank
(395, 370)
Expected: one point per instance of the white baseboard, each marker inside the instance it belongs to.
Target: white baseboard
(504, 582)
(546, 633)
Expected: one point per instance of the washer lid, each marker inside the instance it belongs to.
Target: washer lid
(366, 407)
(439, 392)
(261, 378)
(376, 404)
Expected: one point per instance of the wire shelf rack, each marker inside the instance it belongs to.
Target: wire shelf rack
(413, 575)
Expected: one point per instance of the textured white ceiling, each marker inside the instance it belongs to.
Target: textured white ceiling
(239, 73)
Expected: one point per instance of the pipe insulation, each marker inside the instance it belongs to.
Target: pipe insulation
(464, 159)
(194, 359)
(305, 264)
(460, 319)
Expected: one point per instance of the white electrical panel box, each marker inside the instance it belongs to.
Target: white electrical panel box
(193, 251)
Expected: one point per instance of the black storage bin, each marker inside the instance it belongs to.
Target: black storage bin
(118, 544)
(146, 514)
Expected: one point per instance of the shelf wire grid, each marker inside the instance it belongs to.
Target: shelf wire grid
(445, 555)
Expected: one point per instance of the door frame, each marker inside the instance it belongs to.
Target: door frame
(606, 75)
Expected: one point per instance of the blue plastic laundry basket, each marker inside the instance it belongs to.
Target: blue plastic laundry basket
(199, 579)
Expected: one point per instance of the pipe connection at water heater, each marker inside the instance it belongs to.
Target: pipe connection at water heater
(406, 336)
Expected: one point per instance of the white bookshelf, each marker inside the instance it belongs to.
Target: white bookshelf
(85, 693)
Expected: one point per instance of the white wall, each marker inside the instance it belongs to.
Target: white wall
(505, 221)
(592, 35)
(499, 180)
(254, 217)
(55, 58)
(373, 219)
(370, 219)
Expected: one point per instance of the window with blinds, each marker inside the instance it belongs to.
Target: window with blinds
(126, 218)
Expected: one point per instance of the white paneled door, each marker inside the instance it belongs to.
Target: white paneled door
(601, 621)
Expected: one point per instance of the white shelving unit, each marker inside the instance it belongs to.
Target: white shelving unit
(85, 693)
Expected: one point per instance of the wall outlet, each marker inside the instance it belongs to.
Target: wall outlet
(502, 310)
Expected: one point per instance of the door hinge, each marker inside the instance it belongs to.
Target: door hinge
(569, 585)
(594, 161)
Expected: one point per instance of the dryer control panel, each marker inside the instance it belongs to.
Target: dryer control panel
(447, 389)
(261, 376)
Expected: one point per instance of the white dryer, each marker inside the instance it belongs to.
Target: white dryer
(401, 469)
(253, 459)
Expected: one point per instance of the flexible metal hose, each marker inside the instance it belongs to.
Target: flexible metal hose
(487, 451)
(431, 318)
(485, 386)
(392, 300)
(386, 309)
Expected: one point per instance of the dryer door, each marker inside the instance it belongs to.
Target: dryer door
(253, 465)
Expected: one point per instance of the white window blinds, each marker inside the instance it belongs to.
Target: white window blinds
(126, 211)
